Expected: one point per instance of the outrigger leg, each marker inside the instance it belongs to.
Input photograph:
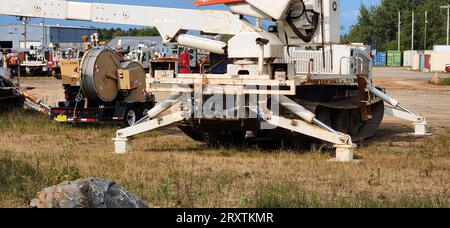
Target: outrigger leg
(122, 142)
(311, 126)
(396, 109)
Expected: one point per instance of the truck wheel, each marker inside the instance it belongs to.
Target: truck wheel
(28, 71)
(131, 117)
(56, 74)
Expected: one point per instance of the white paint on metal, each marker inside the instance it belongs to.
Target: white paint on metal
(419, 122)
(79, 11)
(345, 153)
(122, 145)
(305, 128)
(295, 108)
(164, 105)
(151, 125)
(276, 9)
(384, 96)
(339, 60)
(421, 129)
(402, 115)
(248, 10)
(243, 45)
(201, 43)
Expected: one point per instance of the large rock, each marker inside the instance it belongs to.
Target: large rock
(87, 193)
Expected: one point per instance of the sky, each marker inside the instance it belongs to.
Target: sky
(349, 10)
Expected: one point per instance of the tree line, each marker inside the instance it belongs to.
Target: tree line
(378, 25)
(109, 34)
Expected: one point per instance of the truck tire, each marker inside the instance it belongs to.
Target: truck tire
(131, 116)
(56, 74)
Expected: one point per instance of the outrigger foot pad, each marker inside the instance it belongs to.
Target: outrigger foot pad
(122, 146)
(421, 129)
(344, 153)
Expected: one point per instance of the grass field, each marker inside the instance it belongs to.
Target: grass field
(169, 170)
(446, 81)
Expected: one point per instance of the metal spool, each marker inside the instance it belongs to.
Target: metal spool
(135, 94)
(132, 65)
(100, 76)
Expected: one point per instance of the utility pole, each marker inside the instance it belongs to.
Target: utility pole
(426, 35)
(24, 22)
(25, 32)
(412, 32)
(43, 33)
(399, 29)
(448, 20)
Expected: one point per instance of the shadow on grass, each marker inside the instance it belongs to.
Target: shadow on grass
(271, 146)
(391, 133)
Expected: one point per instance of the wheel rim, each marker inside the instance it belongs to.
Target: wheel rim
(131, 117)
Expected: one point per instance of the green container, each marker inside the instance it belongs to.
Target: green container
(394, 58)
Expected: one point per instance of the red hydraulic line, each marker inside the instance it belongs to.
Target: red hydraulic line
(216, 2)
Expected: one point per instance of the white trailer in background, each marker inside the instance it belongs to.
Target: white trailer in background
(264, 94)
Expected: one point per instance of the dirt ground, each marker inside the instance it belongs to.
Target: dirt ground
(414, 90)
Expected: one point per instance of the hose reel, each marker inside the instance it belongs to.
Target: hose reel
(100, 75)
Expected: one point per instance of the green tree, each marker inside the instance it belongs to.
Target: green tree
(109, 34)
(379, 25)
(361, 32)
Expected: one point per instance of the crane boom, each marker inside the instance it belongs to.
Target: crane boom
(168, 21)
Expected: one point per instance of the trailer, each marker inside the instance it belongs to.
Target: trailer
(98, 90)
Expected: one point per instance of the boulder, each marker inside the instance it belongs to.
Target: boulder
(87, 193)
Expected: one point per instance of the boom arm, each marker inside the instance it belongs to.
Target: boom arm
(297, 22)
(168, 21)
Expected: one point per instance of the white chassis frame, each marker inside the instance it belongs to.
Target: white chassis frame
(307, 124)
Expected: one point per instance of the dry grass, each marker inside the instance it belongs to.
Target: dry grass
(169, 170)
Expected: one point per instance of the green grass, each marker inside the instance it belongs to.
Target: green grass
(21, 179)
(287, 196)
(446, 81)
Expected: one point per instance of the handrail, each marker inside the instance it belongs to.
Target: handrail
(340, 64)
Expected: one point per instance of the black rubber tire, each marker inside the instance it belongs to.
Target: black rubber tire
(212, 137)
(216, 139)
(323, 114)
(189, 130)
(369, 128)
(341, 120)
(131, 116)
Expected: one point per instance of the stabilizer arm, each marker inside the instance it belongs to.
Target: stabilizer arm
(396, 109)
